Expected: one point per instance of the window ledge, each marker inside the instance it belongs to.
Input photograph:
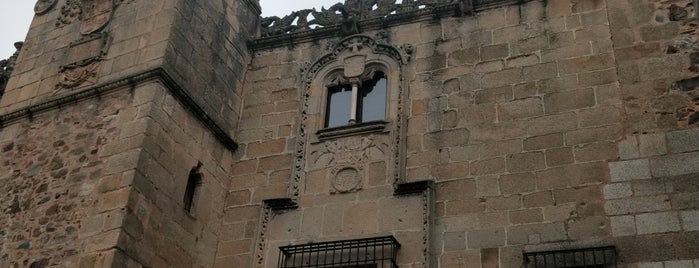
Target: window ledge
(350, 130)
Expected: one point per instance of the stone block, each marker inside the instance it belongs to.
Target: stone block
(569, 100)
(623, 225)
(617, 190)
(455, 190)
(683, 140)
(499, 51)
(454, 241)
(690, 220)
(628, 148)
(488, 166)
(586, 64)
(651, 223)
(490, 66)
(605, 150)
(503, 202)
(524, 162)
(502, 78)
(486, 238)
(536, 233)
(501, 148)
(266, 148)
(517, 183)
(589, 227)
(487, 186)
(526, 216)
(463, 207)
(450, 171)
(630, 170)
(652, 144)
(522, 60)
(651, 187)
(559, 156)
(491, 19)
(538, 199)
(597, 78)
(679, 264)
(561, 212)
(464, 56)
(543, 142)
(659, 32)
(521, 108)
(540, 71)
(497, 94)
(673, 165)
(650, 265)
(577, 195)
(637, 205)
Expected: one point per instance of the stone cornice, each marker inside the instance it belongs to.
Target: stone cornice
(129, 82)
(281, 32)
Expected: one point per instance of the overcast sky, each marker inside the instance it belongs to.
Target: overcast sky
(16, 15)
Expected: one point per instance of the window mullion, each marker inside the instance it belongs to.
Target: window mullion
(355, 97)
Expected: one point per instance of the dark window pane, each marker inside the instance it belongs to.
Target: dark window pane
(339, 106)
(373, 99)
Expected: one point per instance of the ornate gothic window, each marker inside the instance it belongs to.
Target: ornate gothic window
(358, 100)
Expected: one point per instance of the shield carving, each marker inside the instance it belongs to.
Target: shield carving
(95, 15)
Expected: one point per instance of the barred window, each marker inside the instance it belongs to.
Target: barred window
(377, 252)
(602, 257)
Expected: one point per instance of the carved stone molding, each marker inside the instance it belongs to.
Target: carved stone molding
(262, 237)
(349, 47)
(44, 6)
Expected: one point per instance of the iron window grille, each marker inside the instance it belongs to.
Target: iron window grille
(602, 257)
(377, 252)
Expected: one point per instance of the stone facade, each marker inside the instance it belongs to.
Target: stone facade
(511, 128)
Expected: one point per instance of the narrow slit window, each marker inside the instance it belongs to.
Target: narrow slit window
(193, 183)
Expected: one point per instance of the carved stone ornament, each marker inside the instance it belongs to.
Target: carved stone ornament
(77, 75)
(94, 14)
(44, 6)
(85, 56)
(346, 179)
(347, 15)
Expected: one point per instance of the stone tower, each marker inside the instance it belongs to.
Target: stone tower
(111, 108)
(414, 133)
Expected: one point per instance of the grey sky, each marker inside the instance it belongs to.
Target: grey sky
(16, 15)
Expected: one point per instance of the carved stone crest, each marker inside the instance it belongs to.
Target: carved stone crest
(346, 179)
(44, 6)
(79, 74)
(84, 55)
(95, 15)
